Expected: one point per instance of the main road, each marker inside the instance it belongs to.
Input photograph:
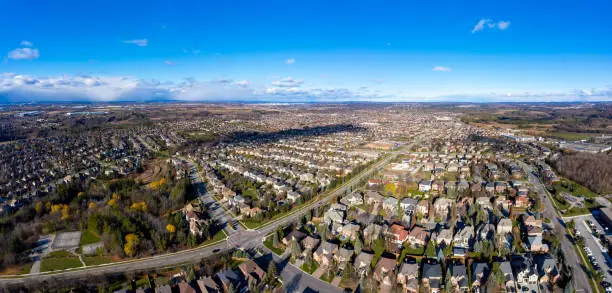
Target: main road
(240, 239)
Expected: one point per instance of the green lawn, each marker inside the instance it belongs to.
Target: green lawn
(310, 268)
(59, 260)
(268, 244)
(327, 277)
(220, 235)
(378, 247)
(570, 135)
(411, 251)
(96, 260)
(89, 237)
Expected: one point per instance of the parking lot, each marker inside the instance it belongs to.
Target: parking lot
(585, 226)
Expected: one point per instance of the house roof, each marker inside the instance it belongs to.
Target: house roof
(409, 268)
(432, 271)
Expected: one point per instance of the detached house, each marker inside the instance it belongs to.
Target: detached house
(432, 277)
(397, 234)
(408, 276)
(459, 278)
(384, 270)
(324, 254)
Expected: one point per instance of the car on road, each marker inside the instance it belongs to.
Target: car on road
(216, 250)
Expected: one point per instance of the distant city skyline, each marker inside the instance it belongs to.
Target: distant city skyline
(287, 51)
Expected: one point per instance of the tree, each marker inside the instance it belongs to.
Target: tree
(358, 244)
(323, 232)
(449, 283)
(296, 250)
(275, 240)
(131, 244)
(271, 275)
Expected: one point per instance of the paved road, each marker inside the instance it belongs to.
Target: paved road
(580, 278)
(217, 213)
(240, 239)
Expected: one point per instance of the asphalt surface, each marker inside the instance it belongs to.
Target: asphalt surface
(240, 238)
(216, 211)
(580, 278)
(594, 244)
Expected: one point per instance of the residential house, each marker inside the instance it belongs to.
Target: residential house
(443, 237)
(479, 274)
(459, 278)
(463, 240)
(397, 234)
(362, 262)
(324, 254)
(486, 231)
(526, 276)
(504, 226)
(349, 231)
(509, 283)
(208, 285)
(294, 234)
(373, 198)
(407, 276)
(432, 277)
(343, 256)
(442, 207)
(355, 198)
(390, 204)
(310, 243)
(231, 278)
(408, 205)
(425, 185)
(423, 208)
(536, 244)
(417, 237)
(252, 272)
(385, 270)
(547, 269)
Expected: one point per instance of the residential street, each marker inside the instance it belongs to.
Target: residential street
(580, 278)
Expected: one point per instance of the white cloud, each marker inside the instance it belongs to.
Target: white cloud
(288, 82)
(23, 54)
(290, 61)
(169, 63)
(491, 24)
(20, 88)
(502, 25)
(441, 68)
(138, 42)
(26, 43)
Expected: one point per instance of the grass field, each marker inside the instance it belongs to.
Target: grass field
(89, 237)
(96, 260)
(59, 260)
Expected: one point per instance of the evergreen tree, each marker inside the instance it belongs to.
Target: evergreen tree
(449, 284)
(358, 244)
(275, 240)
(296, 250)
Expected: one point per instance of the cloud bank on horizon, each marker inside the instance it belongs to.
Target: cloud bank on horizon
(16, 88)
(479, 51)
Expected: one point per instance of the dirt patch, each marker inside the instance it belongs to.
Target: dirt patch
(153, 170)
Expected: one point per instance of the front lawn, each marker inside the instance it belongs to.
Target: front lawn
(268, 244)
(310, 268)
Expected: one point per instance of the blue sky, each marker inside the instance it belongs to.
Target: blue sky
(329, 50)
